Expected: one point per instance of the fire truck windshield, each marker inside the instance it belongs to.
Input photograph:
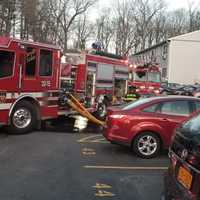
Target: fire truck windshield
(6, 64)
(140, 76)
(154, 77)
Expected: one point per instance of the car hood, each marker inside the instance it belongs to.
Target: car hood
(113, 109)
(117, 110)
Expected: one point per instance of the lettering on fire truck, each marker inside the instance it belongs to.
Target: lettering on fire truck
(45, 83)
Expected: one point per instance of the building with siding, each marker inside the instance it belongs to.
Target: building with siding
(178, 58)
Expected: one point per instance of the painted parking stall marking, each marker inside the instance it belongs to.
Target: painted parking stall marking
(94, 139)
(101, 190)
(101, 193)
(102, 186)
(124, 167)
(88, 152)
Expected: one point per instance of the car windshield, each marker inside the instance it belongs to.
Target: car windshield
(154, 77)
(192, 126)
(6, 64)
(136, 103)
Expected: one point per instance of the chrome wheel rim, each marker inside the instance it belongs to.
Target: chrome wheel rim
(147, 145)
(22, 118)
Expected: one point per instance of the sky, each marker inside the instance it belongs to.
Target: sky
(172, 4)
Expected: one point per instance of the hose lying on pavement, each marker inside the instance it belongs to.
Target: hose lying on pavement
(76, 105)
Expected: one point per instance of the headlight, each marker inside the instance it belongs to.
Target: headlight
(157, 91)
(151, 88)
(142, 87)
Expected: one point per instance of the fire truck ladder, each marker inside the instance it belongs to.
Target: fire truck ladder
(76, 105)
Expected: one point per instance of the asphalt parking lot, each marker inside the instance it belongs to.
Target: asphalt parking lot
(57, 164)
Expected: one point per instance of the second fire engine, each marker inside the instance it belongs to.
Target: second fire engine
(146, 79)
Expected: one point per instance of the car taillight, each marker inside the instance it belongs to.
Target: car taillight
(192, 160)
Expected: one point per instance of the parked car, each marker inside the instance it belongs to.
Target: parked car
(171, 89)
(147, 125)
(183, 177)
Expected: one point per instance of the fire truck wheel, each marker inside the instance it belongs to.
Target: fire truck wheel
(23, 118)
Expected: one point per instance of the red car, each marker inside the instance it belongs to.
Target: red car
(147, 125)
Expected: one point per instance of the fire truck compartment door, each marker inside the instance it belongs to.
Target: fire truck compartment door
(105, 72)
(80, 82)
(121, 72)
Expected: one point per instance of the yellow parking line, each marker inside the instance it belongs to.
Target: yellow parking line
(94, 139)
(102, 186)
(124, 168)
(102, 193)
(100, 140)
(88, 138)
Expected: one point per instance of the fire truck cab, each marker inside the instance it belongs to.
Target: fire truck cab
(29, 84)
(146, 79)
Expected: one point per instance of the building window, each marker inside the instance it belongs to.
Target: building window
(164, 72)
(164, 52)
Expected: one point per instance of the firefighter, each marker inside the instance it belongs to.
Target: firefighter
(132, 95)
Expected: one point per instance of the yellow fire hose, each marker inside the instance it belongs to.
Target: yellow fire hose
(76, 105)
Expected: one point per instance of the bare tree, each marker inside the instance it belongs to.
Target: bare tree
(177, 23)
(125, 28)
(28, 18)
(158, 32)
(192, 12)
(105, 28)
(65, 13)
(83, 30)
(7, 15)
(145, 12)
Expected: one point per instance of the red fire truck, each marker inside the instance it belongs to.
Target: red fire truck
(146, 79)
(30, 82)
(93, 75)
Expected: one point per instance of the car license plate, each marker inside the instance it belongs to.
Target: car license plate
(185, 177)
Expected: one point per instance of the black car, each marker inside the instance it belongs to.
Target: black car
(183, 178)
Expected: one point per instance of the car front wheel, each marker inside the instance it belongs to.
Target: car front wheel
(146, 145)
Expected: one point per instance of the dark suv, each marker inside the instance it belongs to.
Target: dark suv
(183, 178)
